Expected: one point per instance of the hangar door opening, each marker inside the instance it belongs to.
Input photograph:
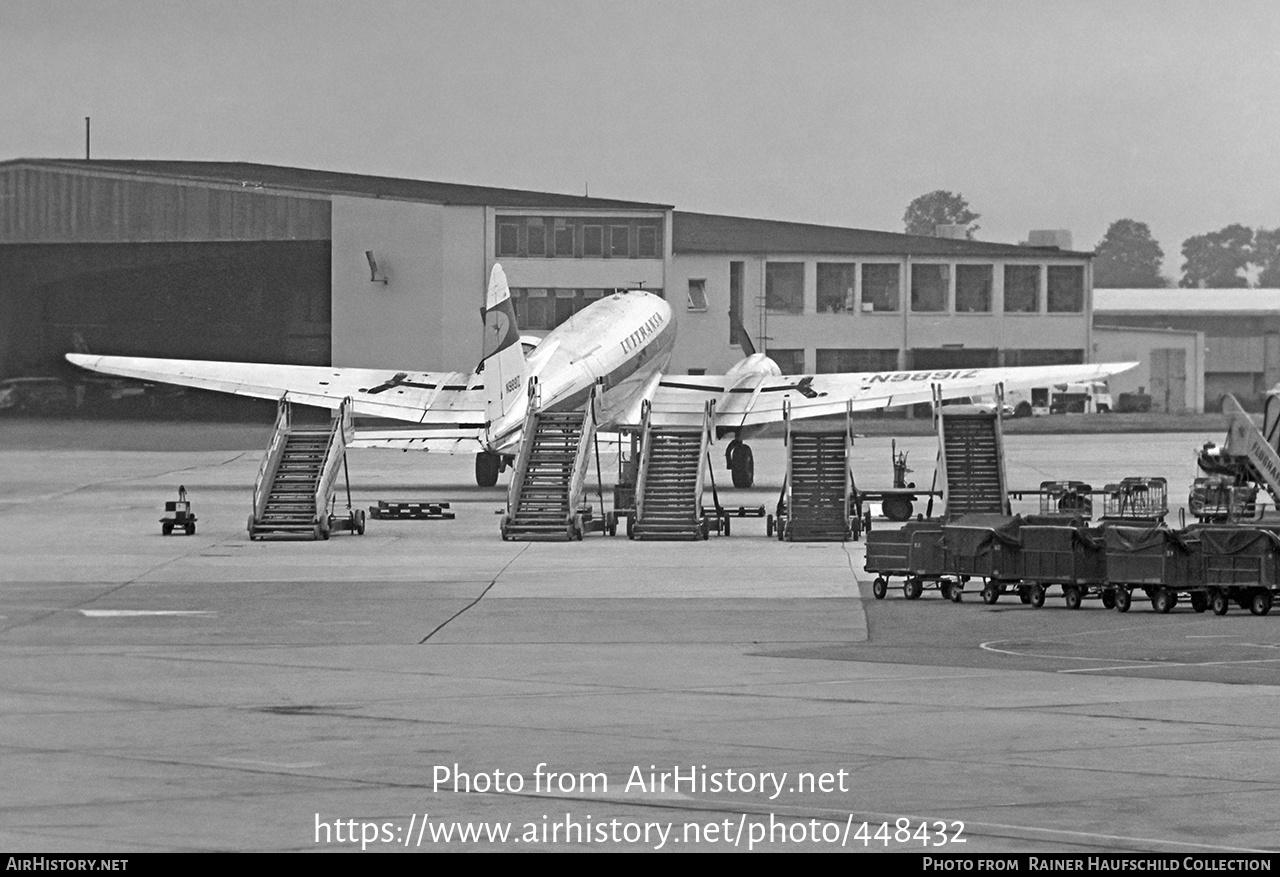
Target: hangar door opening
(1169, 380)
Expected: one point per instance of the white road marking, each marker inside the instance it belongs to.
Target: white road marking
(286, 765)
(136, 613)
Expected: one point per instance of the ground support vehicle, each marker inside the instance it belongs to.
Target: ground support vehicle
(983, 547)
(1241, 565)
(1160, 561)
(913, 552)
(178, 515)
(1072, 557)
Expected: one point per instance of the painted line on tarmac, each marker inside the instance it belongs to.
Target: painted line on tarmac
(286, 765)
(1118, 663)
(138, 613)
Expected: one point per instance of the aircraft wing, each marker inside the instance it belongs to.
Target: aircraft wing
(680, 399)
(449, 399)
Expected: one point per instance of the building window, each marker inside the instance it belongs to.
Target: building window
(973, 289)
(593, 241)
(537, 232)
(648, 242)
(834, 360)
(532, 310)
(790, 361)
(1066, 289)
(880, 288)
(784, 287)
(1020, 358)
(929, 287)
(697, 371)
(1021, 289)
(568, 303)
(590, 295)
(923, 358)
(508, 239)
(697, 295)
(563, 238)
(619, 247)
(836, 286)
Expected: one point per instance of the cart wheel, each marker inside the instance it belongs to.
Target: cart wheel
(912, 588)
(1199, 601)
(1072, 596)
(611, 523)
(945, 587)
(359, 522)
(166, 529)
(191, 529)
(990, 593)
(768, 525)
(250, 525)
(726, 526)
(1220, 602)
(1024, 594)
(1123, 599)
(1108, 600)
(1036, 596)
(879, 588)
(705, 531)
(1162, 602)
(957, 592)
(1261, 603)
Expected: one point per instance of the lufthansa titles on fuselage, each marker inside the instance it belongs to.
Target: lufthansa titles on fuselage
(639, 336)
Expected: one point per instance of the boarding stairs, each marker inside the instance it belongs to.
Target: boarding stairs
(673, 462)
(971, 467)
(818, 484)
(545, 496)
(294, 490)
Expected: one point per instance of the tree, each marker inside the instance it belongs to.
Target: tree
(1128, 257)
(1219, 259)
(927, 212)
(1266, 255)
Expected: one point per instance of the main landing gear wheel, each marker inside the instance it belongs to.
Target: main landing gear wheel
(1123, 599)
(879, 588)
(896, 508)
(742, 463)
(488, 465)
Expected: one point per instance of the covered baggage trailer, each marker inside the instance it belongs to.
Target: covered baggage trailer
(1240, 565)
(912, 552)
(1072, 557)
(1162, 562)
(983, 547)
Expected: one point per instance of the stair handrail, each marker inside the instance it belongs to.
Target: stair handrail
(939, 427)
(850, 492)
(271, 460)
(582, 456)
(527, 431)
(646, 425)
(785, 499)
(334, 456)
(1005, 506)
(704, 457)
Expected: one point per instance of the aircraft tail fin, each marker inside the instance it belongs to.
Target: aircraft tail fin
(503, 363)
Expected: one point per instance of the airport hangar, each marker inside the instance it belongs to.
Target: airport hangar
(252, 262)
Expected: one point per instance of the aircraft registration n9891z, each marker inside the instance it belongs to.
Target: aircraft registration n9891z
(623, 342)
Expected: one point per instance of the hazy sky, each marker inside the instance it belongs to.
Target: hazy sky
(1042, 114)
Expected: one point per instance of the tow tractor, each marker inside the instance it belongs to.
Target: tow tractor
(178, 514)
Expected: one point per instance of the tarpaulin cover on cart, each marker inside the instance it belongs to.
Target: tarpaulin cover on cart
(1147, 540)
(1237, 540)
(972, 533)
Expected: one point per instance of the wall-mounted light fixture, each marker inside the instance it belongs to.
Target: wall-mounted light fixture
(374, 276)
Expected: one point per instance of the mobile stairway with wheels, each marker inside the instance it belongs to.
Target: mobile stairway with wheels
(817, 489)
(545, 496)
(971, 468)
(293, 496)
(668, 499)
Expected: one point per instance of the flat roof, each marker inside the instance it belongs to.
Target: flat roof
(1186, 301)
(714, 233)
(330, 182)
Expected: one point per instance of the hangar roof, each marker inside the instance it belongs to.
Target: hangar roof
(1186, 301)
(306, 179)
(712, 233)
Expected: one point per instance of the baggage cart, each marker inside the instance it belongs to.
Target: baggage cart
(1160, 561)
(983, 547)
(912, 552)
(1072, 557)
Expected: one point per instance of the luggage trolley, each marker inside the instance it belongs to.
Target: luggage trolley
(914, 552)
(1072, 557)
(985, 547)
(1240, 565)
(1162, 562)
